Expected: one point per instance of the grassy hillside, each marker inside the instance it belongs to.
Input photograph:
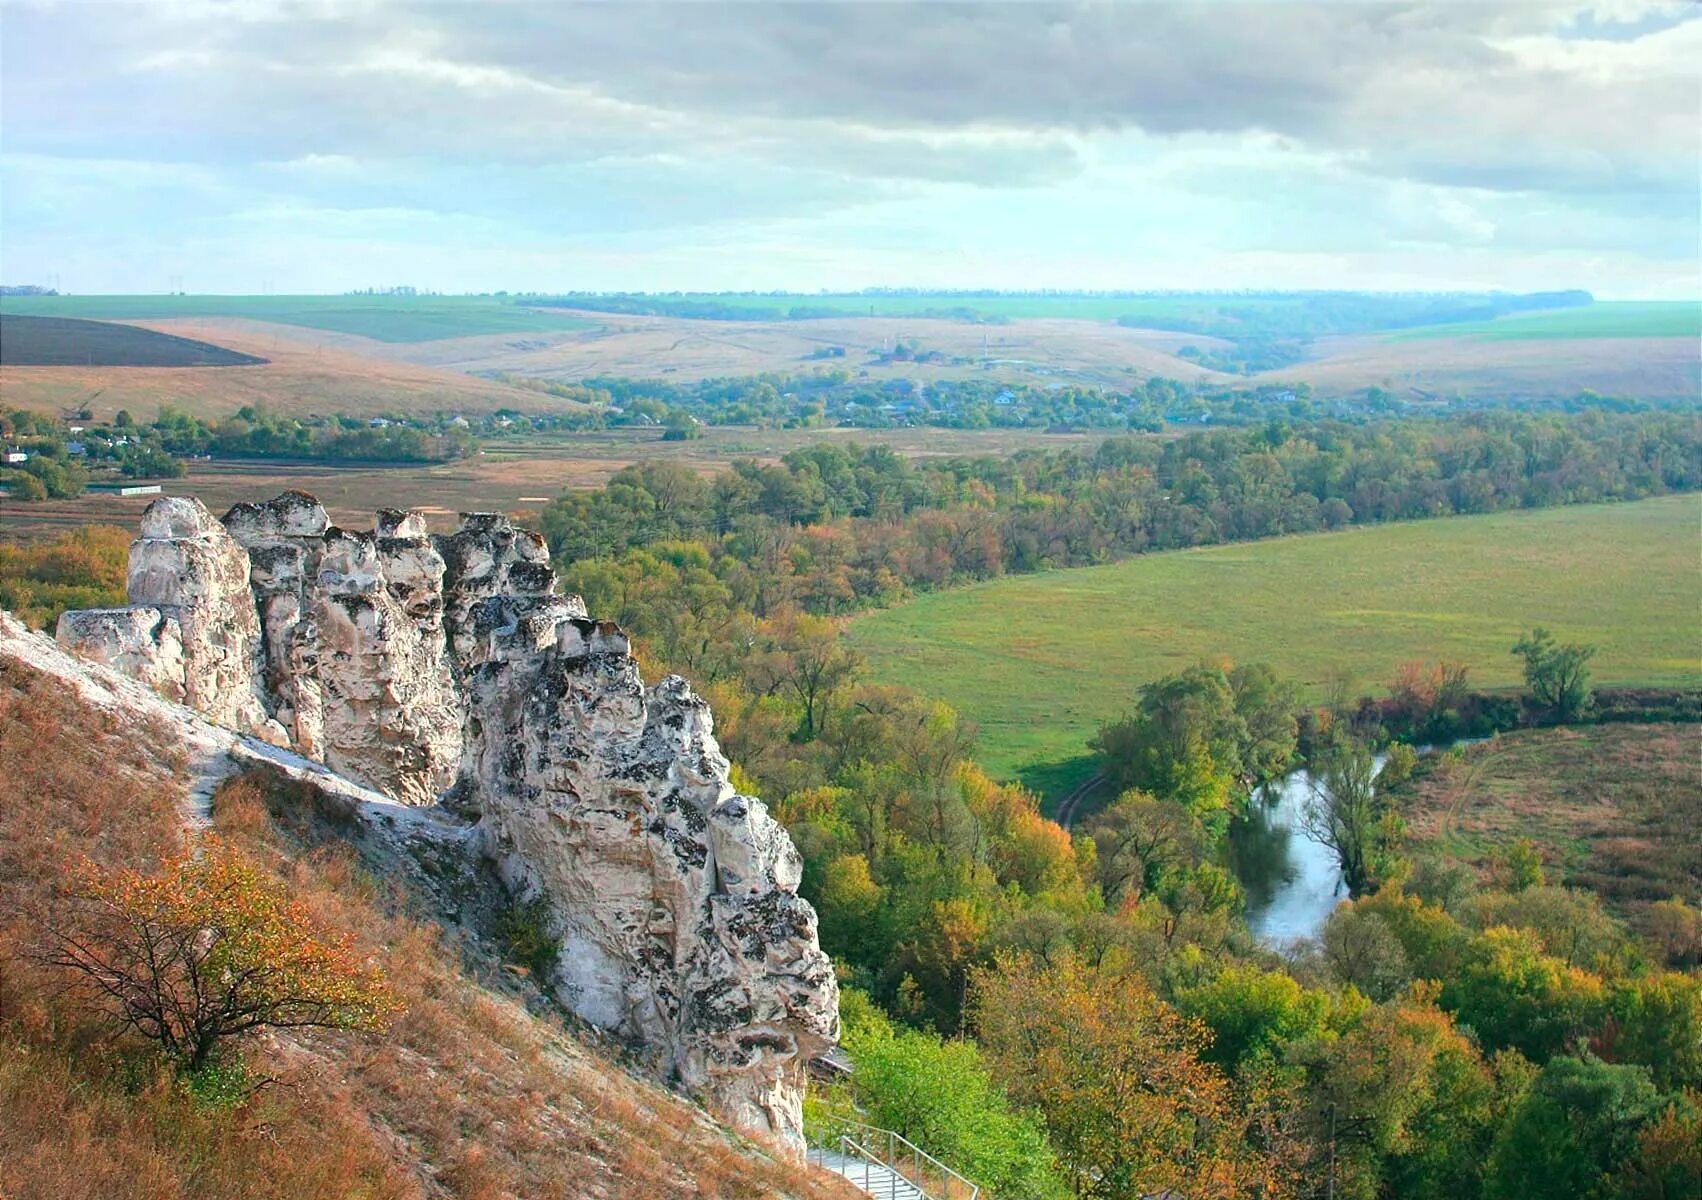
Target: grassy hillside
(382, 318)
(1039, 661)
(1613, 808)
(465, 1094)
(1286, 314)
(1628, 319)
(427, 318)
(1068, 307)
(293, 378)
(1500, 369)
(1353, 342)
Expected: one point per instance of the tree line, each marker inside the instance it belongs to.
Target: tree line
(833, 528)
(61, 463)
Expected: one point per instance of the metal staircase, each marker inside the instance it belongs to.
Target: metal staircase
(887, 1165)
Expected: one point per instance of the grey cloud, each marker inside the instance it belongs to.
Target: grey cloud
(988, 94)
(1362, 79)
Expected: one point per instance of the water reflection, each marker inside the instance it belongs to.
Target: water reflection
(1291, 882)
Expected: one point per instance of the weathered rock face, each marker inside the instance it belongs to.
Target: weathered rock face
(282, 539)
(354, 652)
(674, 897)
(142, 643)
(411, 664)
(198, 637)
(499, 589)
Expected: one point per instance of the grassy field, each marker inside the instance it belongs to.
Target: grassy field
(1040, 661)
(1502, 369)
(1646, 350)
(1228, 315)
(1627, 319)
(1076, 307)
(1614, 808)
(404, 319)
(1053, 351)
(1220, 313)
(382, 318)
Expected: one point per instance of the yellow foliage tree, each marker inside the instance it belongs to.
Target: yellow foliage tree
(205, 949)
(1116, 1075)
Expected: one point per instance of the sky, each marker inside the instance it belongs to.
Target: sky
(317, 146)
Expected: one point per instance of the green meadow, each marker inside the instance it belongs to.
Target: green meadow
(382, 318)
(1039, 661)
(1610, 319)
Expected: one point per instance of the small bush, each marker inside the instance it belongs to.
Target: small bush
(523, 928)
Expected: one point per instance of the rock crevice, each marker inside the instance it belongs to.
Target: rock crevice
(415, 665)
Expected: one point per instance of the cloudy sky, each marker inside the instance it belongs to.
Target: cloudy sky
(318, 146)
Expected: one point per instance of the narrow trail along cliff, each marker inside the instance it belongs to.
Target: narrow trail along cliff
(451, 677)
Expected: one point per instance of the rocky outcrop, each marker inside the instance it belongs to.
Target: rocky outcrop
(142, 643)
(411, 664)
(211, 753)
(499, 590)
(197, 636)
(282, 539)
(354, 652)
(675, 898)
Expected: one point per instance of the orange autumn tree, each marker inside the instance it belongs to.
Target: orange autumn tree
(206, 949)
(1116, 1075)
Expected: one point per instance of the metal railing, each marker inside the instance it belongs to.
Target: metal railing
(930, 1177)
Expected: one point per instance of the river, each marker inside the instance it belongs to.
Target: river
(1291, 882)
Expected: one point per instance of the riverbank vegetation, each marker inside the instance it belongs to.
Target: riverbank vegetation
(1452, 1032)
(1438, 1015)
(1612, 808)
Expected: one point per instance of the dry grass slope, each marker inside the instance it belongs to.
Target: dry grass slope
(1614, 808)
(371, 354)
(303, 373)
(56, 341)
(1048, 349)
(1664, 368)
(466, 1095)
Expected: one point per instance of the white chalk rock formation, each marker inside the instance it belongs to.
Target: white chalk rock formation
(501, 589)
(675, 898)
(202, 639)
(282, 538)
(140, 642)
(355, 658)
(409, 664)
